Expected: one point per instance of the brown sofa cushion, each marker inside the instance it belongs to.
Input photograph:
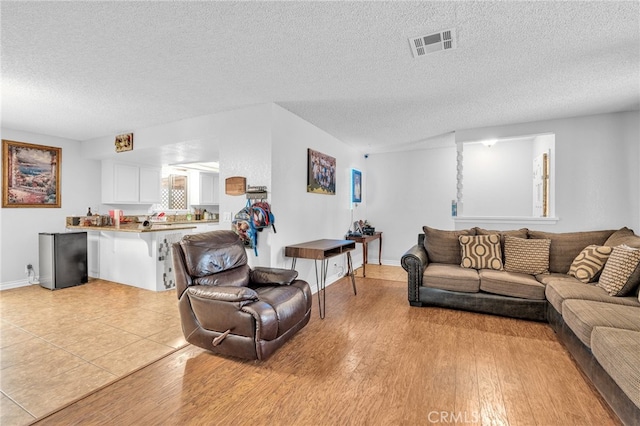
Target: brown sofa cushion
(565, 246)
(444, 246)
(520, 233)
(526, 256)
(451, 277)
(618, 352)
(560, 290)
(511, 284)
(583, 315)
(623, 236)
(481, 251)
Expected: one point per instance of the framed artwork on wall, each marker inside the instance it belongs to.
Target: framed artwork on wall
(321, 173)
(31, 175)
(356, 186)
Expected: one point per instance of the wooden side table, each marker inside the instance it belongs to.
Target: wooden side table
(322, 250)
(365, 240)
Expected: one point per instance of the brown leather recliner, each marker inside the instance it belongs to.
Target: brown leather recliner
(229, 308)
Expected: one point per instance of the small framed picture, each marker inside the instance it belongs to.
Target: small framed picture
(356, 186)
(321, 173)
(356, 227)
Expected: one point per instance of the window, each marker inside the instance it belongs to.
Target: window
(174, 192)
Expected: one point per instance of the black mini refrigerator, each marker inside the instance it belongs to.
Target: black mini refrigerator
(63, 259)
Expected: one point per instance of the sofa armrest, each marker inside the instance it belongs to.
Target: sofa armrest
(414, 261)
(272, 276)
(222, 293)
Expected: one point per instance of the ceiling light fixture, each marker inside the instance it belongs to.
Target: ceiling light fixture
(489, 142)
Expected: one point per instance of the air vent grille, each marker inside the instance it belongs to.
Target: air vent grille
(422, 45)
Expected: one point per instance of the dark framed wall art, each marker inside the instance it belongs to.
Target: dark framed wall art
(321, 173)
(356, 186)
(31, 175)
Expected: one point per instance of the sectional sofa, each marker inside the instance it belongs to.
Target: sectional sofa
(585, 284)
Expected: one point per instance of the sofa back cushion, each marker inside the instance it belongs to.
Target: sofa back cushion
(624, 236)
(565, 246)
(520, 233)
(211, 254)
(444, 246)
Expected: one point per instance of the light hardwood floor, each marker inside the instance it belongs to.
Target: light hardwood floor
(56, 346)
(373, 360)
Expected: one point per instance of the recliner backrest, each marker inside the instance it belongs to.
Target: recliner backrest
(211, 257)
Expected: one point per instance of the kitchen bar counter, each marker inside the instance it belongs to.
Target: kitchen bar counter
(137, 227)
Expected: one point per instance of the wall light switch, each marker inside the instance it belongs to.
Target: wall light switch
(226, 217)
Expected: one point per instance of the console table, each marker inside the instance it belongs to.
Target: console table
(365, 240)
(323, 250)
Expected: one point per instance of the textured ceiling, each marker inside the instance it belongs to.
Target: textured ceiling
(82, 70)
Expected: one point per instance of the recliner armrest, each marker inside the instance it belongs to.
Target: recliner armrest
(223, 293)
(272, 276)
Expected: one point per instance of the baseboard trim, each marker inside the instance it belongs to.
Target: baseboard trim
(14, 284)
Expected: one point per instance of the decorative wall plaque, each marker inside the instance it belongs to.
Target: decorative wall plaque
(124, 142)
(235, 185)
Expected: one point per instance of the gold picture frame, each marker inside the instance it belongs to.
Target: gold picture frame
(124, 142)
(31, 175)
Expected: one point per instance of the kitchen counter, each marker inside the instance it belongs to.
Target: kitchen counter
(137, 227)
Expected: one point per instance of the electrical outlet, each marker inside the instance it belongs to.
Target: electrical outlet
(28, 267)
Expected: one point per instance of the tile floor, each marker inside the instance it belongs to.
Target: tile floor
(56, 346)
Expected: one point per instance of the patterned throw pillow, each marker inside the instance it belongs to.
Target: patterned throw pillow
(621, 273)
(481, 251)
(589, 263)
(526, 256)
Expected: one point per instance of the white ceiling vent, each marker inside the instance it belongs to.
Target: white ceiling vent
(444, 40)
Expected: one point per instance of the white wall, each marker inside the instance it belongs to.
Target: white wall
(406, 190)
(497, 179)
(19, 227)
(303, 216)
(596, 169)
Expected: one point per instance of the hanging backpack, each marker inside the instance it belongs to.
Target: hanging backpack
(262, 216)
(243, 226)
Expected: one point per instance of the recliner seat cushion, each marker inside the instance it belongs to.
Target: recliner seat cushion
(583, 315)
(560, 290)
(287, 303)
(451, 277)
(618, 352)
(511, 284)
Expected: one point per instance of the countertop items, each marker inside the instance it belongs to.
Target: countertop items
(135, 227)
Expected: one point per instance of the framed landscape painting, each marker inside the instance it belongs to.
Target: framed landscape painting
(321, 173)
(31, 175)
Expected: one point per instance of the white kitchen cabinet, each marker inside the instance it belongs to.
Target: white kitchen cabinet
(206, 227)
(204, 189)
(150, 185)
(124, 183)
(93, 254)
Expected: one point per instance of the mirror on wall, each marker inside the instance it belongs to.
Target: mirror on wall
(507, 177)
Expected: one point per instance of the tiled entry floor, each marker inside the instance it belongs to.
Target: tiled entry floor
(56, 346)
